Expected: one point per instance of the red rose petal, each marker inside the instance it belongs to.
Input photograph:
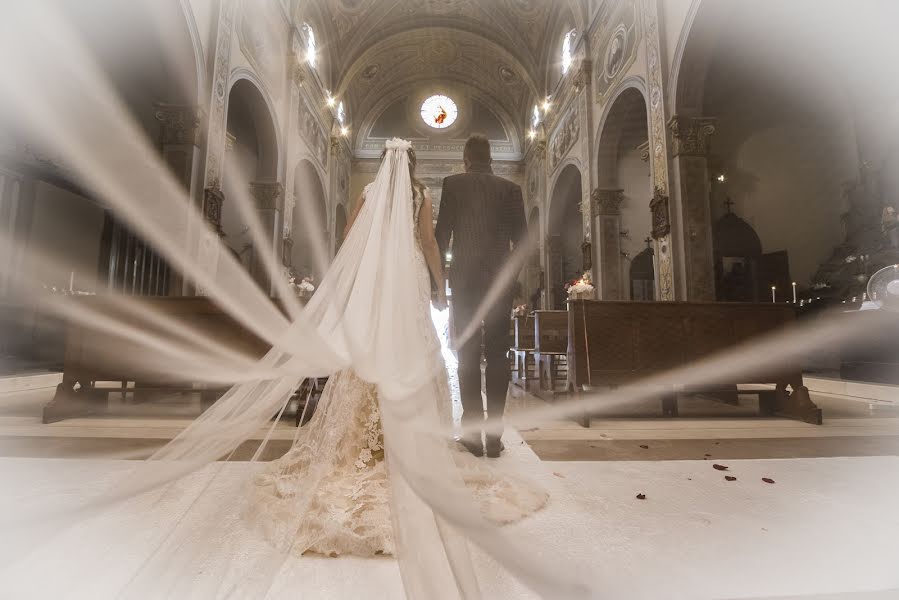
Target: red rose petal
(767, 480)
(719, 467)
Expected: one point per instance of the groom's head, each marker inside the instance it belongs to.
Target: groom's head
(477, 152)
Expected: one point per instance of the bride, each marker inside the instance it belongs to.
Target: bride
(336, 472)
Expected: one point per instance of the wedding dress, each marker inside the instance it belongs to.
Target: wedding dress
(348, 511)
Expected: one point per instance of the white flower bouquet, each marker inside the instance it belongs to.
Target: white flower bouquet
(580, 289)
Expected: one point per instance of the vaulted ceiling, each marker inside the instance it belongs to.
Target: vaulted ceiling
(379, 49)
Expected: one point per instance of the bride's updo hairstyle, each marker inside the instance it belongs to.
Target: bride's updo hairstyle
(416, 184)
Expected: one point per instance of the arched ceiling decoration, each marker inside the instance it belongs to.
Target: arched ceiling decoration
(500, 47)
(402, 62)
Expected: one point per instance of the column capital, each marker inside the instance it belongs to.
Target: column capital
(606, 202)
(180, 123)
(267, 193)
(690, 135)
(584, 75)
(644, 151)
(661, 221)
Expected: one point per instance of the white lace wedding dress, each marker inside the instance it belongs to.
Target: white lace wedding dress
(336, 471)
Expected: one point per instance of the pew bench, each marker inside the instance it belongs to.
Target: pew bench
(611, 344)
(96, 364)
(522, 351)
(550, 347)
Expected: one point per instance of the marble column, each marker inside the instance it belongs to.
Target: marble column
(690, 150)
(268, 196)
(606, 205)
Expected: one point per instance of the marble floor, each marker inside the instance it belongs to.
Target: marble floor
(826, 527)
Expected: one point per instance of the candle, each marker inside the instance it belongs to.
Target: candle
(72, 281)
(773, 293)
(794, 292)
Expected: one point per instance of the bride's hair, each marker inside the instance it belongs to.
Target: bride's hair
(416, 184)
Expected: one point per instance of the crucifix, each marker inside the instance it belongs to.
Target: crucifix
(729, 204)
(648, 241)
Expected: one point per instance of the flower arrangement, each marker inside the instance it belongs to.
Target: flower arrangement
(304, 287)
(520, 311)
(580, 288)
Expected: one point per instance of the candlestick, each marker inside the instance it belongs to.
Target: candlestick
(794, 292)
(773, 293)
(72, 281)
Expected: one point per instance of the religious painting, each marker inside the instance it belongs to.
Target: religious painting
(565, 136)
(313, 134)
(617, 51)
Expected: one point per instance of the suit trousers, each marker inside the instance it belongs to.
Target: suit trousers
(491, 335)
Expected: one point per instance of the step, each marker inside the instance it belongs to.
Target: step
(854, 390)
(29, 381)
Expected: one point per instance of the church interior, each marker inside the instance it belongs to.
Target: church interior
(711, 191)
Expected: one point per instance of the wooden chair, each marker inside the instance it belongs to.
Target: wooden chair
(523, 368)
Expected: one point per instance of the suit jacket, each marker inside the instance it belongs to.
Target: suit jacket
(484, 216)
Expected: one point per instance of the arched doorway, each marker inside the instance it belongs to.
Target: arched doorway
(565, 259)
(780, 159)
(309, 222)
(623, 196)
(250, 175)
(340, 222)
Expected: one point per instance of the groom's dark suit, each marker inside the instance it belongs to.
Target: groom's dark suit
(484, 215)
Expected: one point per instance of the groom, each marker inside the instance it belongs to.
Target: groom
(484, 215)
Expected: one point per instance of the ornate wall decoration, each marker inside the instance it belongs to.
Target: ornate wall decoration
(533, 181)
(565, 136)
(661, 221)
(215, 145)
(213, 199)
(617, 51)
(313, 133)
(659, 147)
(262, 37)
(371, 71)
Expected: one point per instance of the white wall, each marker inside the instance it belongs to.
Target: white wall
(786, 183)
(634, 178)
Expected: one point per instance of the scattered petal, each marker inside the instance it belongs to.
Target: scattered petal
(557, 474)
(767, 480)
(730, 478)
(644, 446)
(719, 467)
(709, 455)
(641, 496)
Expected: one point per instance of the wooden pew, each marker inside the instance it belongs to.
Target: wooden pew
(550, 346)
(93, 359)
(522, 350)
(616, 343)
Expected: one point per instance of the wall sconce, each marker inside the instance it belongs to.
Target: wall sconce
(532, 134)
(344, 131)
(721, 178)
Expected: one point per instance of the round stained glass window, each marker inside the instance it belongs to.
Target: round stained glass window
(439, 112)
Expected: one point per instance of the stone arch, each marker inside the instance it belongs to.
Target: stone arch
(309, 222)
(624, 189)
(789, 151)
(565, 259)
